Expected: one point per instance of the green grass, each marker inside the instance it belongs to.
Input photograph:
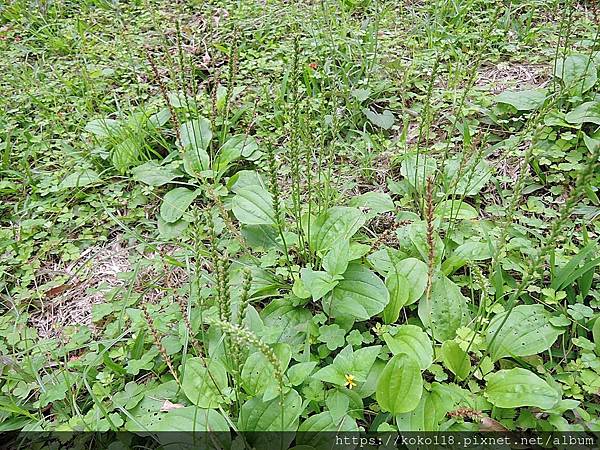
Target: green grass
(290, 216)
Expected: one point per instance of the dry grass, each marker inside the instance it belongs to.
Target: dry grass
(510, 75)
(95, 272)
(91, 277)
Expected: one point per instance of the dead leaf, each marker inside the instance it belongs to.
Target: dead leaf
(488, 424)
(56, 291)
(169, 406)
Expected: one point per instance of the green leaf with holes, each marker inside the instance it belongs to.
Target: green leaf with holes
(400, 385)
(519, 387)
(526, 331)
(445, 311)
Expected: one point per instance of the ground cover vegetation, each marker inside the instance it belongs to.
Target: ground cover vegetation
(301, 216)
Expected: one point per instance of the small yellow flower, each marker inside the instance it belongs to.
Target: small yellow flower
(350, 383)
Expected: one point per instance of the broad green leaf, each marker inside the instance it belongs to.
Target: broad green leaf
(384, 259)
(235, 147)
(591, 143)
(456, 359)
(383, 120)
(176, 426)
(369, 386)
(519, 387)
(298, 373)
(596, 334)
(588, 112)
(376, 202)
(399, 289)
(204, 386)
(258, 373)
(470, 250)
(416, 168)
(360, 94)
(349, 362)
(416, 232)
(169, 231)
(412, 340)
(400, 385)
(527, 100)
(175, 203)
(318, 283)
(415, 271)
(315, 432)
(195, 139)
(432, 409)
(456, 210)
(339, 222)
(160, 118)
(79, 179)
(245, 178)
(239, 145)
(361, 294)
(103, 127)
(337, 258)
(153, 174)
(527, 331)
(363, 360)
(196, 134)
(577, 72)
(473, 251)
(145, 411)
(180, 99)
(467, 180)
(126, 154)
(445, 311)
(265, 237)
(253, 205)
(358, 250)
(191, 418)
(290, 320)
(272, 415)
